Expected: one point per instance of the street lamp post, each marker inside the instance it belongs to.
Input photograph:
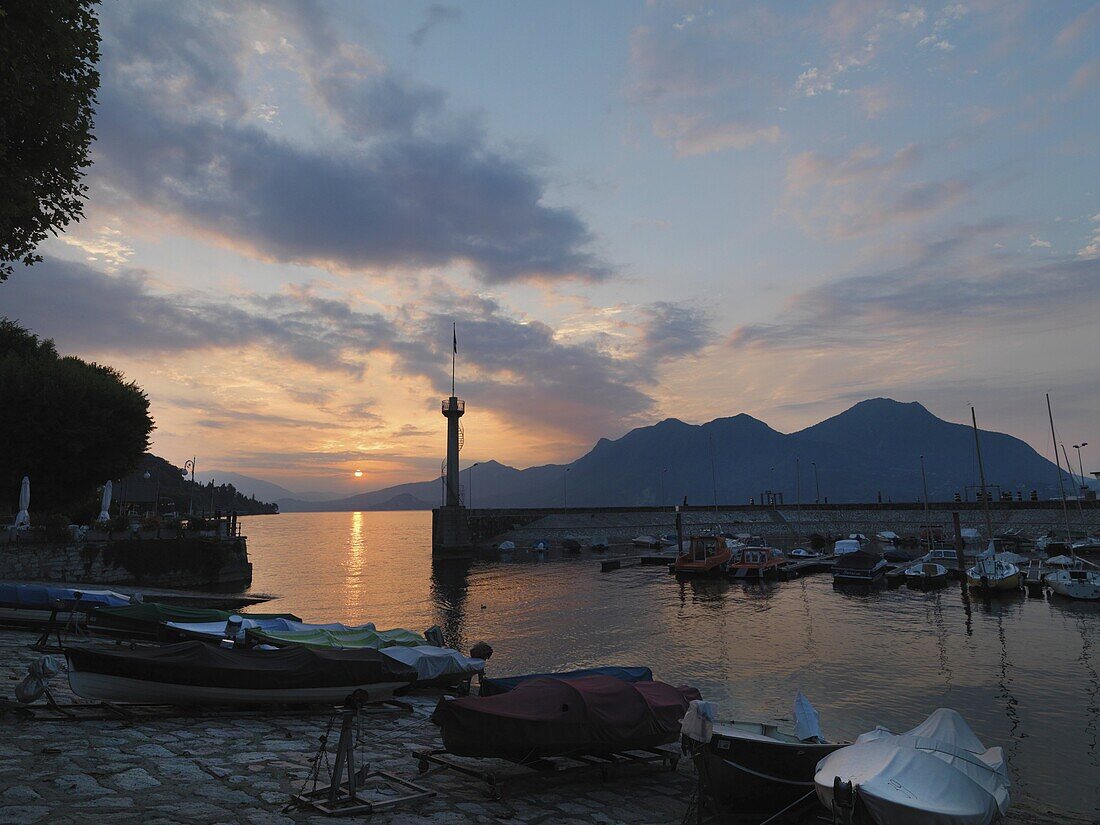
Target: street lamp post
(1069, 469)
(817, 485)
(190, 465)
(1080, 461)
(924, 484)
(661, 486)
(565, 487)
(470, 481)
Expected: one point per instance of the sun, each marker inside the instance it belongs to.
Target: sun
(358, 473)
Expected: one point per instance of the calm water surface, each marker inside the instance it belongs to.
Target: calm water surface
(1023, 672)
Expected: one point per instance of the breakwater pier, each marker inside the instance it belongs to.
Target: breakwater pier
(784, 525)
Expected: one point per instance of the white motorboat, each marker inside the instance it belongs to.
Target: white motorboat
(1075, 583)
(938, 773)
(845, 546)
(970, 535)
(506, 547)
(887, 537)
(646, 541)
(925, 574)
(992, 575)
(803, 553)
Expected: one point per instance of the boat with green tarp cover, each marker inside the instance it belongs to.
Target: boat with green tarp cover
(353, 638)
(149, 619)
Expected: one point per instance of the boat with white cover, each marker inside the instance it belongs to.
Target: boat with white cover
(938, 773)
(926, 574)
(436, 666)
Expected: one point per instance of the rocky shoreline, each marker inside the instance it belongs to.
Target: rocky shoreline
(243, 769)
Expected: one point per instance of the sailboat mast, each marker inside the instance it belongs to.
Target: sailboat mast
(1061, 487)
(981, 475)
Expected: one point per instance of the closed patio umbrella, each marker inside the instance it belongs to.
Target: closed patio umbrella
(23, 518)
(105, 504)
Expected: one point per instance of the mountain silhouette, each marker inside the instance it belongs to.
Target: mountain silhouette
(872, 449)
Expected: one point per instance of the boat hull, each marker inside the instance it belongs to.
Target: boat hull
(106, 688)
(985, 584)
(757, 777)
(1075, 585)
(925, 582)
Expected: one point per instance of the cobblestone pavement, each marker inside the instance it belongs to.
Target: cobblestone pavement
(226, 769)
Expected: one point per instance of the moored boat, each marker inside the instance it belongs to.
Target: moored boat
(860, 567)
(757, 563)
(801, 553)
(754, 770)
(195, 673)
(925, 575)
(1075, 584)
(504, 684)
(150, 619)
(547, 717)
(506, 547)
(938, 773)
(704, 556)
(991, 575)
(646, 541)
(846, 546)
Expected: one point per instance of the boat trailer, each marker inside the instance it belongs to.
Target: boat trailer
(438, 760)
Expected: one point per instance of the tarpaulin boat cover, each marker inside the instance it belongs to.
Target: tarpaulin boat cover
(204, 665)
(503, 684)
(335, 636)
(564, 717)
(44, 597)
(154, 613)
(434, 663)
(938, 773)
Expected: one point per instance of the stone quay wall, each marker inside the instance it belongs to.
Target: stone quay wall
(182, 562)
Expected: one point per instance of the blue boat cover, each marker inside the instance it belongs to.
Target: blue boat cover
(504, 684)
(44, 597)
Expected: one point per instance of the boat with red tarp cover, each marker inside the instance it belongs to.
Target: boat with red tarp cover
(196, 673)
(549, 717)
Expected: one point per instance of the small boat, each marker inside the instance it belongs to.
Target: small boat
(942, 555)
(803, 553)
(540, 545)
(862, 539)
(924, 575)
(571, 546)
(846, 546)
(548, 716)
(506, 547)
(1062, 563)
(887, 537)
(599, 544)
(196, 673)
(47, 597)
(704, 556)
(669, 540)
(990, 575)
(1075, 584)
(504, 684)
(150, 619)
(436, 666)
(1089, 545)
(970, 535)
(859, 567)
(646, 541)
(896, 554)
(757, 563)
(939, 772)
(282, 633)
(754, 770)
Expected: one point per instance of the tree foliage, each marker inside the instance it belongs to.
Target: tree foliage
(48, 82)
(67, 424)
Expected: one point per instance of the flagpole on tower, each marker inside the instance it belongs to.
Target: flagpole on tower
(454, 352)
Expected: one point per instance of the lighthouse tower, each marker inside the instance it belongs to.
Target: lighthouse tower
(450, 529)
(453, 409)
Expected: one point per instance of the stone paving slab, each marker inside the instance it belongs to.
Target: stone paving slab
(243, 770)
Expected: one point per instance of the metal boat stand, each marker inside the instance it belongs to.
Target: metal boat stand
(351, 791)
(53, 625)
(435, 761)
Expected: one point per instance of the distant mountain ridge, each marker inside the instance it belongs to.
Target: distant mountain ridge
(869, 450)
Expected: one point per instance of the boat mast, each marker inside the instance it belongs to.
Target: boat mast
(1061, 487)
(798, 499)
(981, 475)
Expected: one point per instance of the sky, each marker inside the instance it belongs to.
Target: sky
(631, 210)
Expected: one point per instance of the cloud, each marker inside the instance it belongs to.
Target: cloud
(520, 369)
(947, 288)
(1091, 250)
(434, 16)
(865, 190)
(406, 185)
(692, 136)
(1077, 28)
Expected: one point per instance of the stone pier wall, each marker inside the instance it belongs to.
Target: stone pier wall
(176, 562)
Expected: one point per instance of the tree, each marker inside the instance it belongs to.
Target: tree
(48, 51)
(67, 424)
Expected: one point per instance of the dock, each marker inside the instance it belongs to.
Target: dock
(647, 560)
(1033, 579)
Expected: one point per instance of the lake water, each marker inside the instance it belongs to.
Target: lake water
(1022, 671)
